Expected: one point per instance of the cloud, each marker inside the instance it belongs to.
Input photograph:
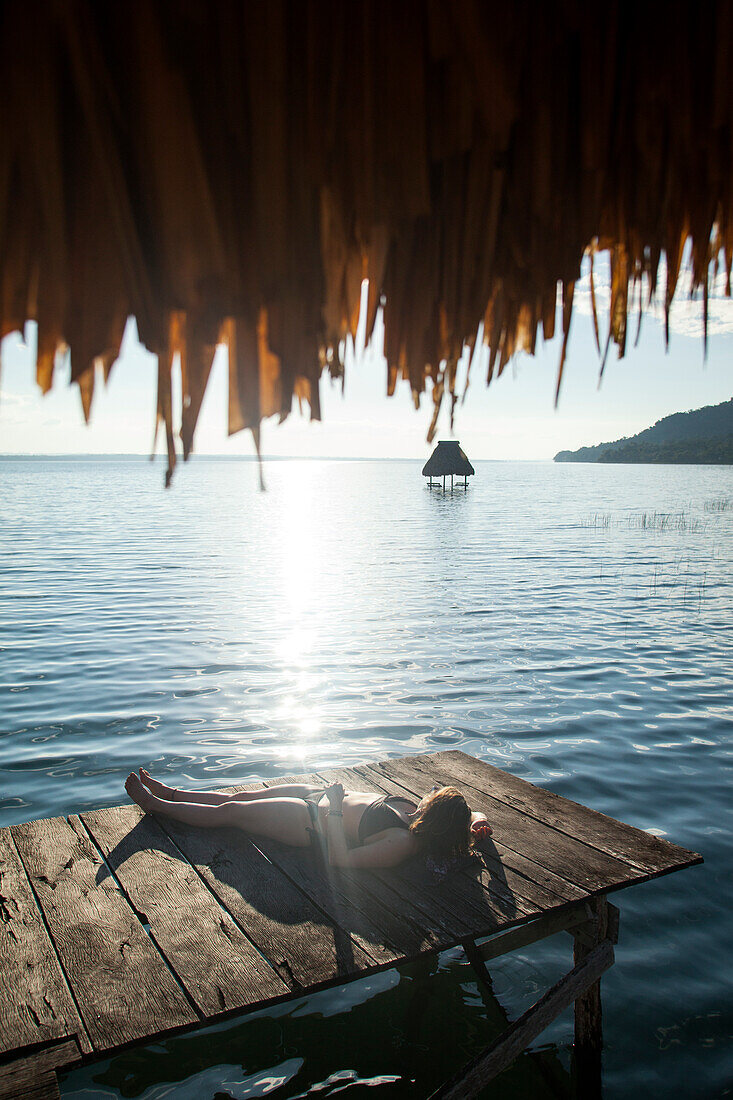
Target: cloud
(15, 401)
(686, 313)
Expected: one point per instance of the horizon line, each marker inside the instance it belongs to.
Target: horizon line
(240, 458)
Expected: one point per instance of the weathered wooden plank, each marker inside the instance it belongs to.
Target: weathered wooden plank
(296, 938)
(462, 905)
(527, 878)
(121, 984)
(640, 849)
(344, 902)
(37, 1084)
(211, 957)
(571, 859)
(34, 1077)
(405, 920)
(380, 934)
(513, 877)
(384, 933)
(35, 1002)
(532, 1023)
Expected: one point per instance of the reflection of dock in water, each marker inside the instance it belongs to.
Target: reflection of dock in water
(118, 929)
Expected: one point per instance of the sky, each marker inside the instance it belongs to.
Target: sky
(513, 418)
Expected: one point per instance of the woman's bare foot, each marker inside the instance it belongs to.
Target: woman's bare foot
(156, 787)
(144, 798)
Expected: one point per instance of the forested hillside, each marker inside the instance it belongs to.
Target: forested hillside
(700, 436)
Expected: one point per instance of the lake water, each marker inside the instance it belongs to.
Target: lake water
(571, 623)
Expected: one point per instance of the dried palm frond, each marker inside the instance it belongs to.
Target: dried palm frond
(233, 172)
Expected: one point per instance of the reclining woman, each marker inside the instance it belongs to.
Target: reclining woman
(353, 828)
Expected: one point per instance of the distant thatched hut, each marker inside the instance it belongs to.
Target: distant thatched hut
(448, 460)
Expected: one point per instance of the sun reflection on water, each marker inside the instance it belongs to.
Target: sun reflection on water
(296, 637)
(294, 649)
(298, 564)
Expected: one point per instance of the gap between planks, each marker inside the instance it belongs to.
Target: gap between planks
(538, 897)
(212, 959)
(583, 865)
(639, 849)
(459, 903)
(408, 938)
(47, 957)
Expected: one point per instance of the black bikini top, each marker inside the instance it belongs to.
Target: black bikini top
(381, 815)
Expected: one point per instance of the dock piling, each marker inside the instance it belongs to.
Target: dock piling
(603, 926)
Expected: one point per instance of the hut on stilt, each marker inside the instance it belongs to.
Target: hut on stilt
(448, 460)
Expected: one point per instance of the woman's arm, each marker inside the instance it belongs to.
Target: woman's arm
(382, 853)
(338, 850)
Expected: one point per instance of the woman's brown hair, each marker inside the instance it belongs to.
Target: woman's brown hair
(442, 826)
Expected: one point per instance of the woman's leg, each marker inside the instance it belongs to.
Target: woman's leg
(284, 819)
(214, 798)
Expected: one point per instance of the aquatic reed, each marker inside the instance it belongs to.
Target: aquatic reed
(664, 521)
(650, 521)
(598, 519)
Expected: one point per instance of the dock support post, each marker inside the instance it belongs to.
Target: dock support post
(603, 925)
(502, 1052)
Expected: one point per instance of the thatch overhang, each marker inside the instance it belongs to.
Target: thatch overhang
(233, 171)
(448, 459)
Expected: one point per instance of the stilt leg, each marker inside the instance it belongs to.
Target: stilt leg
(588, 1013)
(479, 966)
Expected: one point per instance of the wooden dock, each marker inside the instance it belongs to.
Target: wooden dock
(117, 928)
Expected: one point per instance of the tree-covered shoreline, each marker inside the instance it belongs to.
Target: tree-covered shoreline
(701, 436)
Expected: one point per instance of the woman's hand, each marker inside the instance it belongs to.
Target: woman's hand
(335, 796)
(480, 827)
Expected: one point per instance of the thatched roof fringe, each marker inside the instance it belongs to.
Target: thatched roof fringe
(448, 458)
(234, 171)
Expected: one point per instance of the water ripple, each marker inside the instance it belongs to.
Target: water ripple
(250, 637)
